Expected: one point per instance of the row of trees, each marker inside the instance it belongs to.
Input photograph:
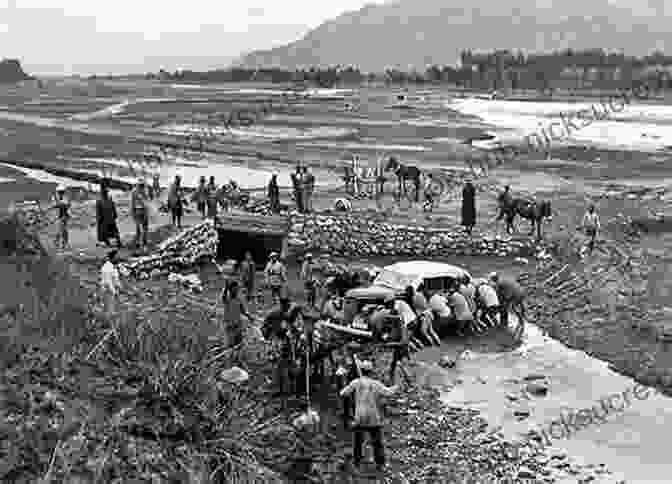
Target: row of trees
(497, 69)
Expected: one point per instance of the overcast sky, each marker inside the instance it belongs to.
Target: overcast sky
(94, 36)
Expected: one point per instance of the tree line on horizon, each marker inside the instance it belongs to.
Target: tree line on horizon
(499, 69)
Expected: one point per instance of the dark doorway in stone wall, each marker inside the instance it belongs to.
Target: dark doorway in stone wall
(233, 245)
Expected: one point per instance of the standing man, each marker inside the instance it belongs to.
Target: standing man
(140, 213)
(200, 196)
(106, 217)
(276, 275)
(380, 177)
(279, 326)
(235, 309)
(591, 224)
(156, 186)
(399, 335)
(110, 283)
(248, 272)
(308, 276)
(469, 207)
(62, 207)
(296, 185)
(368, 416)
(309, 184)
(511, 298)
(211, 198)
(504, 202)
(274, 194)
(175, 201)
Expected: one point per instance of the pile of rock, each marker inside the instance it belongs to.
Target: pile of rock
(184, 250)
(363, 236)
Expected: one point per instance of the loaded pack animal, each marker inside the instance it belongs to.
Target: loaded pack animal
(532, 210)
(405, 173)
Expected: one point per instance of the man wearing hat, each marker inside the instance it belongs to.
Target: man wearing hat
(276, 275)
(62, 206)
(367, 393)
(309, 277)
(140, 212)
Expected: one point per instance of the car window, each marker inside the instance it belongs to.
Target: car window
(435, 284)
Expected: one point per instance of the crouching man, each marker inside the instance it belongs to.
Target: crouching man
(367, 393)
(487, 304)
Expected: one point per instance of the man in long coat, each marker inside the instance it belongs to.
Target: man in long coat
(274, 194)
(469, 206)
(106, 217)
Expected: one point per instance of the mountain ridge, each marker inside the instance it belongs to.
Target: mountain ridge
(417, 33)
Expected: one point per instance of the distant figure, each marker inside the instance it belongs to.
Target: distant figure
(248, 273)
(176, 202)
(591, 224)
(380, 177)
(62, 206)
(274, 194)
(200, 196)
(211, 192)
(309, 187)
(110, 283)
(504, 202)
(296, 185)
(469, 207)
(106, 218)
(156, 186)
(140, 213)
(429, 195)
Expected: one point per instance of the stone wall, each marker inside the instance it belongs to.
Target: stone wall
(360, 235)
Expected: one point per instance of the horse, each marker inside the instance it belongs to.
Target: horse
(404, 173)
(532, 210)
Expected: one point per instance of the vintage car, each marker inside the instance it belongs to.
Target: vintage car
(393, 280)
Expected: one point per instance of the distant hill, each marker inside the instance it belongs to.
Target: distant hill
(422, 32)
(11, 72)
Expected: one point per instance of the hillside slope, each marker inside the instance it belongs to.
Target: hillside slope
(420, 32)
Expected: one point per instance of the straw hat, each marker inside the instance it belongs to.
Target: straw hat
(60, 188)
(493, 276)
(365, 365)
(273, 254)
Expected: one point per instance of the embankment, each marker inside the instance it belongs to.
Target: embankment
(363, 235)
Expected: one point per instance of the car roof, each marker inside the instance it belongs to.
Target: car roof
(426, 268)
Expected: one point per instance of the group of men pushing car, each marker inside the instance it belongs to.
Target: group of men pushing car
(403, 322)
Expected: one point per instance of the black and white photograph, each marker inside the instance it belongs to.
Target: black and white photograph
(347, 242)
